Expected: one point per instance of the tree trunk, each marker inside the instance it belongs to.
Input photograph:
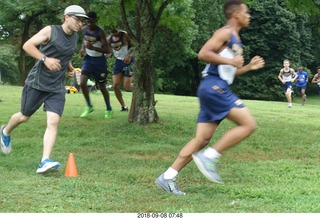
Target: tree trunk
(143, 109)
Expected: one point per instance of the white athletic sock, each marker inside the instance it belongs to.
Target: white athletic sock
(4, 132)
(212, 153)
(170, 173)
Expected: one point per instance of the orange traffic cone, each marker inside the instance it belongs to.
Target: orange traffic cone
(71, 169)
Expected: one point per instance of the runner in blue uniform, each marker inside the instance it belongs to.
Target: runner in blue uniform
(223, 52)
(302, 81)
(287, 76)
(94, 64)
(123, 50)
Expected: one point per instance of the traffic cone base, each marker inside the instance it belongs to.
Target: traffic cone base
(71, 169)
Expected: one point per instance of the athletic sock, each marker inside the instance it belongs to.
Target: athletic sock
(5, 133)
(170, 173)
(88, 102)
(108, 105)
(212, 153)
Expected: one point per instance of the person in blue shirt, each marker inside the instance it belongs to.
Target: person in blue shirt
(224, 54)
(302, 81)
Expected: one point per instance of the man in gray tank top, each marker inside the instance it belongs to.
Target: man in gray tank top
(45, 83)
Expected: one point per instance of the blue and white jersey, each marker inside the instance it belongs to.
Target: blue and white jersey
(212, 69)
(119, 48)
(302, 79)
(287, 74)
(94, 39)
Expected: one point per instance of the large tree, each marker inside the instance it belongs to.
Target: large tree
(164, 31)
(148, 14)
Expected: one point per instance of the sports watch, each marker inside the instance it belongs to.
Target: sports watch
(43, 58)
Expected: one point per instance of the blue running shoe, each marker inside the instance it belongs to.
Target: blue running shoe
(207, 167)
(47, 165)
(5, 142)
(168, 185)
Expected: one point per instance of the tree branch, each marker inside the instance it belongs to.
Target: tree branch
(125, 20)
(160, 11)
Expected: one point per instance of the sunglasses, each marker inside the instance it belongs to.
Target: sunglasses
(78, 20)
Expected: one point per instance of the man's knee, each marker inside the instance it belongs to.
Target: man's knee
(252, 127)
(116, 86)
(21, 118)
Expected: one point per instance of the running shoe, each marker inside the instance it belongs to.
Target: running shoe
(108, 114)
(207, 167)
(168, 185)
(47, 165)
(87, 111)
(124, 109)
(5, 142)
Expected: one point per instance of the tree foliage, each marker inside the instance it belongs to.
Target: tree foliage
(171, 33)
(174, 38)
(8, 68)
(275, 33)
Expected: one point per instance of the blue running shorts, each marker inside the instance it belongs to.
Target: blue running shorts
(120, 66)
(216, 99)
(96, 66)
(287, 85)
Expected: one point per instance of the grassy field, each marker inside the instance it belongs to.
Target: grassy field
(274, 170)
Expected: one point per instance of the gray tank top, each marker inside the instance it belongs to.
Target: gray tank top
(61, 46)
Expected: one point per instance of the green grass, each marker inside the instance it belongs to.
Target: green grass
(274, 170)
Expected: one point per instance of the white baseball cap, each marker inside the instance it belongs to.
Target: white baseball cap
(75, 10)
